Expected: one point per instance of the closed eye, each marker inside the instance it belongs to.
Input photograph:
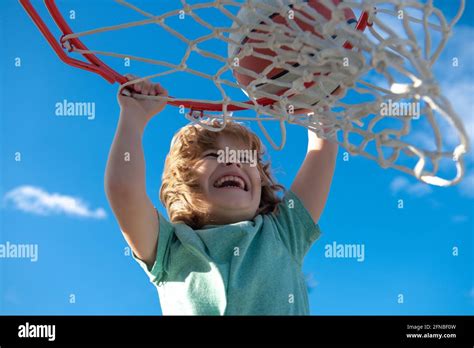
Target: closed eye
(212, 154)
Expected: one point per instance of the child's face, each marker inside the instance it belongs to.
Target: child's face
(231, 190)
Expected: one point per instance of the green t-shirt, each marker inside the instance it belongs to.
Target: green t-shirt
(245, 268)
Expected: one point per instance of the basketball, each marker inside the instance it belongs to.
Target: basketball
(257, 58)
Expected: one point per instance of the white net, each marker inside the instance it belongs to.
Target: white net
(390, 108)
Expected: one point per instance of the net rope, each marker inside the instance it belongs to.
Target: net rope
(401, 59)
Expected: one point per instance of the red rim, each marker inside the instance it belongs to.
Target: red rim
(97, 66)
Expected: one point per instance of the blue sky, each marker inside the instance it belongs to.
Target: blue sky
(54, 197)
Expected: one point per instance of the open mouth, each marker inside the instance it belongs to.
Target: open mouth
(231, 182)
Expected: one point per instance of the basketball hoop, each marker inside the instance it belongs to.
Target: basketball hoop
(370, 48)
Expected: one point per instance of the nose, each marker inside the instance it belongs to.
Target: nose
(237, 164)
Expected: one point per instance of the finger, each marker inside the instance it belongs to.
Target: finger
(152, 89)
(126, 92)
(136, 87)
(146, 87)
(160, 90)
(131, 77)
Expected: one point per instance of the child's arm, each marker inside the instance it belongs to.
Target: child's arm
(313, 181)
(125, 173)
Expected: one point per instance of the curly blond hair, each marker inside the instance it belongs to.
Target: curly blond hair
(180, 191)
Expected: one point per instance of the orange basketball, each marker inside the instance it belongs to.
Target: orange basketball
(260, 57)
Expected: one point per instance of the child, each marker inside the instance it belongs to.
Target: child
(232, 247)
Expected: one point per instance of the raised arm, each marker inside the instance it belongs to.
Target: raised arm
(313, 181)
(125, 185)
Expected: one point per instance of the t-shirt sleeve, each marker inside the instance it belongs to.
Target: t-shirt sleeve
(159, 267)
(295, 226)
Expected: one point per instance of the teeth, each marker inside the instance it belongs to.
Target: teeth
(236, 179)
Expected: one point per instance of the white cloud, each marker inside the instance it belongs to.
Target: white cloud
(459, 219)
(466, 186)
(402, 185)
(457, 85)
(35, 200)
(457, 82)
(460, 95)
(311, 282)
(470, 294)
